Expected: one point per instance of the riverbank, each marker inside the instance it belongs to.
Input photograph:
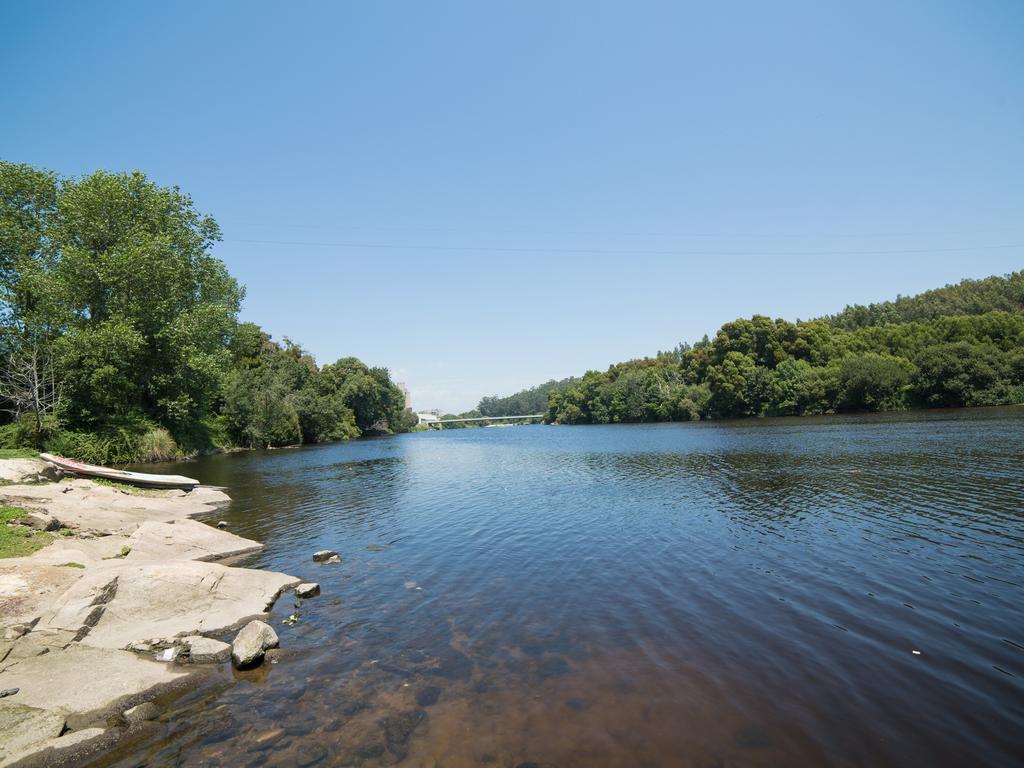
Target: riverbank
(128, 598)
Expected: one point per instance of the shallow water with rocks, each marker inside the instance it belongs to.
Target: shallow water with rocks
(805, 592)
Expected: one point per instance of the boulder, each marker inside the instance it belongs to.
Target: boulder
(206, 650)
(324, 555)
(249, 645)
(307, 589)
(40, 521)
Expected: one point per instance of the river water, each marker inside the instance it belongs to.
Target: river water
(799, 592)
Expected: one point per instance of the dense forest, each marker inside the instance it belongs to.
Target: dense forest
(120, 340)
(533, 400)
(961, 345)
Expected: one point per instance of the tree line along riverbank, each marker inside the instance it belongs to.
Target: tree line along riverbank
(120, 340)
(960, 345)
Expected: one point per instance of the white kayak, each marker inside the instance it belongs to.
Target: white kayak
(121, 475)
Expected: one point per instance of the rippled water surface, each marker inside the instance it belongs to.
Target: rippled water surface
(715, 594)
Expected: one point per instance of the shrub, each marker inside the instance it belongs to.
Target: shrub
(22, 433)
(156, 445)
(118, 447)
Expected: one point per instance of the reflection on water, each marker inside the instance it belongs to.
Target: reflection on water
(744, 593)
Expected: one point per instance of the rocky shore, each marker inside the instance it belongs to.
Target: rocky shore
(132, 599)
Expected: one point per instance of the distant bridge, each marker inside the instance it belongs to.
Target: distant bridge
(430, 420)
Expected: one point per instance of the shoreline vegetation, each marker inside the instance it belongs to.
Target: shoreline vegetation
(957, 346)
(120, 340)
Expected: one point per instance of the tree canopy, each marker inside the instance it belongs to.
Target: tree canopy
(110, 280)
(961, 345)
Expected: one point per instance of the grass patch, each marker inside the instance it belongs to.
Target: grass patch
(16, 540)
(71, 565)
(18, 453)
(133, 490)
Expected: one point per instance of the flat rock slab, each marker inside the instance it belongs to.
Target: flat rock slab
(80, 679)
(28, 587)
(186, 540)
(22, 726)
(89, 506)
(127, 603)
(206, 650)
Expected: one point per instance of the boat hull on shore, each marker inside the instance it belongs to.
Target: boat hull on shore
(120, 475)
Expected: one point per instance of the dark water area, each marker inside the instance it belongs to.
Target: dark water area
(715, 594)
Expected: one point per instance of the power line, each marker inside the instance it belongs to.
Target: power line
(676, 235)
(617, 252)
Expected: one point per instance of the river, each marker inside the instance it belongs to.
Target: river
(802, 592)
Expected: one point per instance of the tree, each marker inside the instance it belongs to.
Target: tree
(961, 373)
(113, 274)
(29, 388)
(873, 382)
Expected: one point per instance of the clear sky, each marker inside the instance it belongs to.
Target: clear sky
(482, 196)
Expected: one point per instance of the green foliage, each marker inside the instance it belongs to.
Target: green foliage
(111, 279)
(22, 433)
(18, 453)
(916, 351)
(156, 445)
(278, 396)
(112, 446)
(969, 297)
(534, 400)
(873, 382)
(112, 273)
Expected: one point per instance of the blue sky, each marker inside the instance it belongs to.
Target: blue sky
(484, 196)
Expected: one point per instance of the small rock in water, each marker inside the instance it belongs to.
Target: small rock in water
(307, 589)
(251, 643)
(334, 559)
(222, 524)
(324, 555)
(410, 585)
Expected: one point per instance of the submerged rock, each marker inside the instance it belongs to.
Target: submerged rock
(249, 645)
(398, 728)
(324, 555)
(428, 696)
(307, 589)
